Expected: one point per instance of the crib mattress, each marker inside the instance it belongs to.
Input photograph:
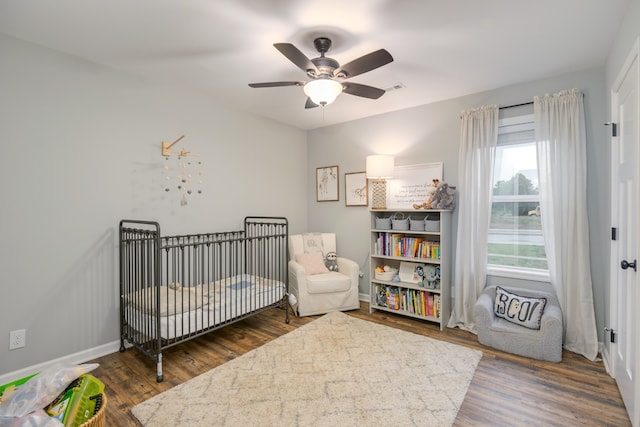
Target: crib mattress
(226, 299)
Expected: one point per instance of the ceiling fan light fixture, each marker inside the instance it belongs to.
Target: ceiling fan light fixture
(323, 91)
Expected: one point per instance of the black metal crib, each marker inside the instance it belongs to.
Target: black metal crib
(175, 288)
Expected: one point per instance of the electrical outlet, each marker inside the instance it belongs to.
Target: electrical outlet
(17, 339)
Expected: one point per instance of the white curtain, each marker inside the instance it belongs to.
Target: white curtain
(478, 140)
(562, 166)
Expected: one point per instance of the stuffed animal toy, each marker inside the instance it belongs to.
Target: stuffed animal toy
(432, 277)
(431, 191)
(445, 197)
(331, 261)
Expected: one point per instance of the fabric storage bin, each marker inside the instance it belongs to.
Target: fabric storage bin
(383, 223)
(416, 224)
(399, 222)
(431, 224)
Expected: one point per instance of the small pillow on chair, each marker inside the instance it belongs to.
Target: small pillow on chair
(313, 263)
(523, 311)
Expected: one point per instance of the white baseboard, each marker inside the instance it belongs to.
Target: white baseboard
(606, 360)
(71, 359)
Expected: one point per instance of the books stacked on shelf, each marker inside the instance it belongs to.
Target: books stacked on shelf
(414, 301)
(400, 245)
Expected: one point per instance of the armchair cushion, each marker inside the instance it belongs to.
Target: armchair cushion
(313, 263)
(521, 310)
(328, 282)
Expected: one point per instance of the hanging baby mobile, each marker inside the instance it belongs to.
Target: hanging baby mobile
(181, 172)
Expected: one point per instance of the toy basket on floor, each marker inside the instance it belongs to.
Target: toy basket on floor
(99, 419)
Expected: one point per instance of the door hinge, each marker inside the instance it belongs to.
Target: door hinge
(613, 233)
(614, 128)
(612, 334)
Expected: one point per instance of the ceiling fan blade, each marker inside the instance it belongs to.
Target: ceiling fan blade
(294, 55)
(365, 63)
(310, 104)
(362, 90)
(276, 84)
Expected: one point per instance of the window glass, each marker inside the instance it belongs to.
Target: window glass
(516, 244)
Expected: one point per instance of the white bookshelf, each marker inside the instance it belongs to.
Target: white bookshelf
(429, 249)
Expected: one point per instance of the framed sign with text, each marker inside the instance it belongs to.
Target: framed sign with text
(410, 184)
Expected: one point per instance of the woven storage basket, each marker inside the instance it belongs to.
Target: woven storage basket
(383, 223)
(387, 275)
(431, 224)
(399, 222)
(416, 224)
(99, 419)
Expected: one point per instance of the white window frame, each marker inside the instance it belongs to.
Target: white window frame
(508, 125)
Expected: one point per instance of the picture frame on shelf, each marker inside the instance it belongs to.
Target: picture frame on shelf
(327, 179)
(356, 189)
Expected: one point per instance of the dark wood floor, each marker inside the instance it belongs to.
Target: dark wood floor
(506, 390)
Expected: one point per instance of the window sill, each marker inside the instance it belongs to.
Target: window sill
(519, 273)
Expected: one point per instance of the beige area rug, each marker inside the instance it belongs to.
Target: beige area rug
(335, 371)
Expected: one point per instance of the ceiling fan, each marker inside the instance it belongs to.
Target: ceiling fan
(328, 77)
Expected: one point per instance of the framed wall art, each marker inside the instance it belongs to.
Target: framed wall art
(355, 189)
(327, 184)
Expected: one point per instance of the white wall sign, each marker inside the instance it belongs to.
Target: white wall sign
(410, 184)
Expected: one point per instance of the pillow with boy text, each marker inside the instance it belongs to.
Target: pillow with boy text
(521, 310)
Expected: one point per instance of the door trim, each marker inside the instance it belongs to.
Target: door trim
(607, 354)
(609, 349)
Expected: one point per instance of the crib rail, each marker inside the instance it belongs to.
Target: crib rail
(176, 288)
(139, 272)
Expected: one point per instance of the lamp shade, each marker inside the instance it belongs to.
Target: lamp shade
(323, 91)
(380, 166)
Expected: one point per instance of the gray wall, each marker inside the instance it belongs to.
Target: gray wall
(431, 133)
(80, 151)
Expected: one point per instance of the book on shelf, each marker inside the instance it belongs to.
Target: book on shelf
(401, 245)
(417, 302)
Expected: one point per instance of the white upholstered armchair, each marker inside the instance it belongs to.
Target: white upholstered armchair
(317, 289)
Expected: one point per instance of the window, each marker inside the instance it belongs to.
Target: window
(516, 244)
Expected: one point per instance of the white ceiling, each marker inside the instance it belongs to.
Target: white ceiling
(441, 49)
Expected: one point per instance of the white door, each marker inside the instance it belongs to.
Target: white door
(624, 249)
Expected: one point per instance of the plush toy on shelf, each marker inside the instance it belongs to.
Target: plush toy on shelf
(445, 197)
(431, 191)
(441, 196)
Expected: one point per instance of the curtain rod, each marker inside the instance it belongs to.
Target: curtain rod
(515, 105)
